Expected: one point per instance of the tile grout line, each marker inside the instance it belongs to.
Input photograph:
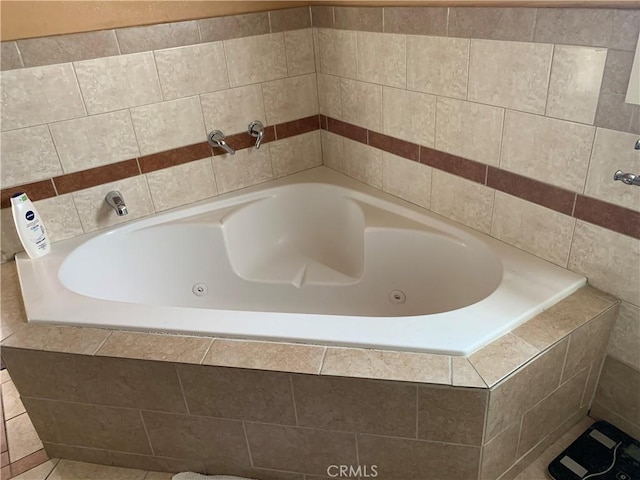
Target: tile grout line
(246, 439)
(184, 396)
(102, 343)
(293, 400)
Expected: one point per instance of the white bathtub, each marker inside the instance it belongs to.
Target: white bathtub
(315, 257)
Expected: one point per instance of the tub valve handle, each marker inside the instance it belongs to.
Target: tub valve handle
(256, 130)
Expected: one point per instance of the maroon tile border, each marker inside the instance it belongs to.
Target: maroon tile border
(297, 127)
(534, 191)
(240, 141)
(603, 214)
(177, 156)
(96, 176)
(462, 167)
(344, 129)
(402, 148)
(609, 216)
(36, 191)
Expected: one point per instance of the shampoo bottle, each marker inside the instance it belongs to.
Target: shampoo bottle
(29, 226)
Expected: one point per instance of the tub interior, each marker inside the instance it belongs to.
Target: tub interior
(309, 248)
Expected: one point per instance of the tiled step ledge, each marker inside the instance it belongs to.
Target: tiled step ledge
(607, 215)
(92, 177)
(484, 368)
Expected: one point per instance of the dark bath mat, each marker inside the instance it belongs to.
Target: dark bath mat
(602, 452)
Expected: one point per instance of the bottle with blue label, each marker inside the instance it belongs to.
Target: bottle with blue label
(29, 225)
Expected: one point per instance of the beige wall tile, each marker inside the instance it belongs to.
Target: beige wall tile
(9, 56)
(619, 390)
(60, 216)
(22, 438)
(68, 48)
(592, 383)
(26, 155)
(492, 23)
(70, 469)
(574, 88)
(245, 168)
(94, 141)
(551, 412)
(400, 366)
(233, 393)
(211, 439)
(354, 405)
(95, 213)
(113, 83)
(510, 399)
(382, 58)
(256, 59)
(462, 200)
(265, 356)
(464, 375)
(155, 37)
(406, 179)
(500, 453)
(612, 151)
(299, 449)
(409, 115)
(123, 382)
(510, 74)
(322, 16)
(337, 51)
(540, 147)
(416, 20)
(191, 70)
(329, 98)
(354, 18)
(167, 125)
(617, 71)
(470, 130)
(564, 317)
(613, 113)
(332, 150)
(598, 412)
(290, 19)
(10, 244)
(588, 344)
(32, 96)
(533, 228)
(295, 154)
(234, 26)
(626, 26)
(402, 458)
(147, 346)
(624, 344)
(95, 426)
(299, 46)
(290, 98)
(362, 162)
(181, 185)
(361, 103)
(604, 257)
(452, 57)
(501, 357)
(452, 414)
(232, 110)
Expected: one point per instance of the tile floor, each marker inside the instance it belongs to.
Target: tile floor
(24, 459)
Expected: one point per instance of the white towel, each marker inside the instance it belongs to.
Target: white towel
(199, 476)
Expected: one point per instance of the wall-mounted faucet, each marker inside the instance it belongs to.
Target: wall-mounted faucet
(116, 201)
(628, 178)
(256, 130)
(217, 139)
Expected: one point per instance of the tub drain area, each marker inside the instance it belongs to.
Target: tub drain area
(199, 289)
(397, 297)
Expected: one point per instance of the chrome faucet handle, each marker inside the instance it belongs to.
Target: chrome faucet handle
(627, 178)
(217, 139)
(256, 130)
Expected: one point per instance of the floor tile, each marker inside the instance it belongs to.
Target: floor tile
(41, 472)
(70, 470)
(22, 438)
(11, 401)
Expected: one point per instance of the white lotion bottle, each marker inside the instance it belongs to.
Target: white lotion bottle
(29, 226)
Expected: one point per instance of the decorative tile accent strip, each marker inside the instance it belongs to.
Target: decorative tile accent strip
(149, 163)
(96, 176)
(402, 148)
(462, 167)
(36, 191)
(597, 212)
(296, 127)
(290, 19)
(532, 190)
(607, 215)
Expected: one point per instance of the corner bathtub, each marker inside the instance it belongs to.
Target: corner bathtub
(315, 257)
